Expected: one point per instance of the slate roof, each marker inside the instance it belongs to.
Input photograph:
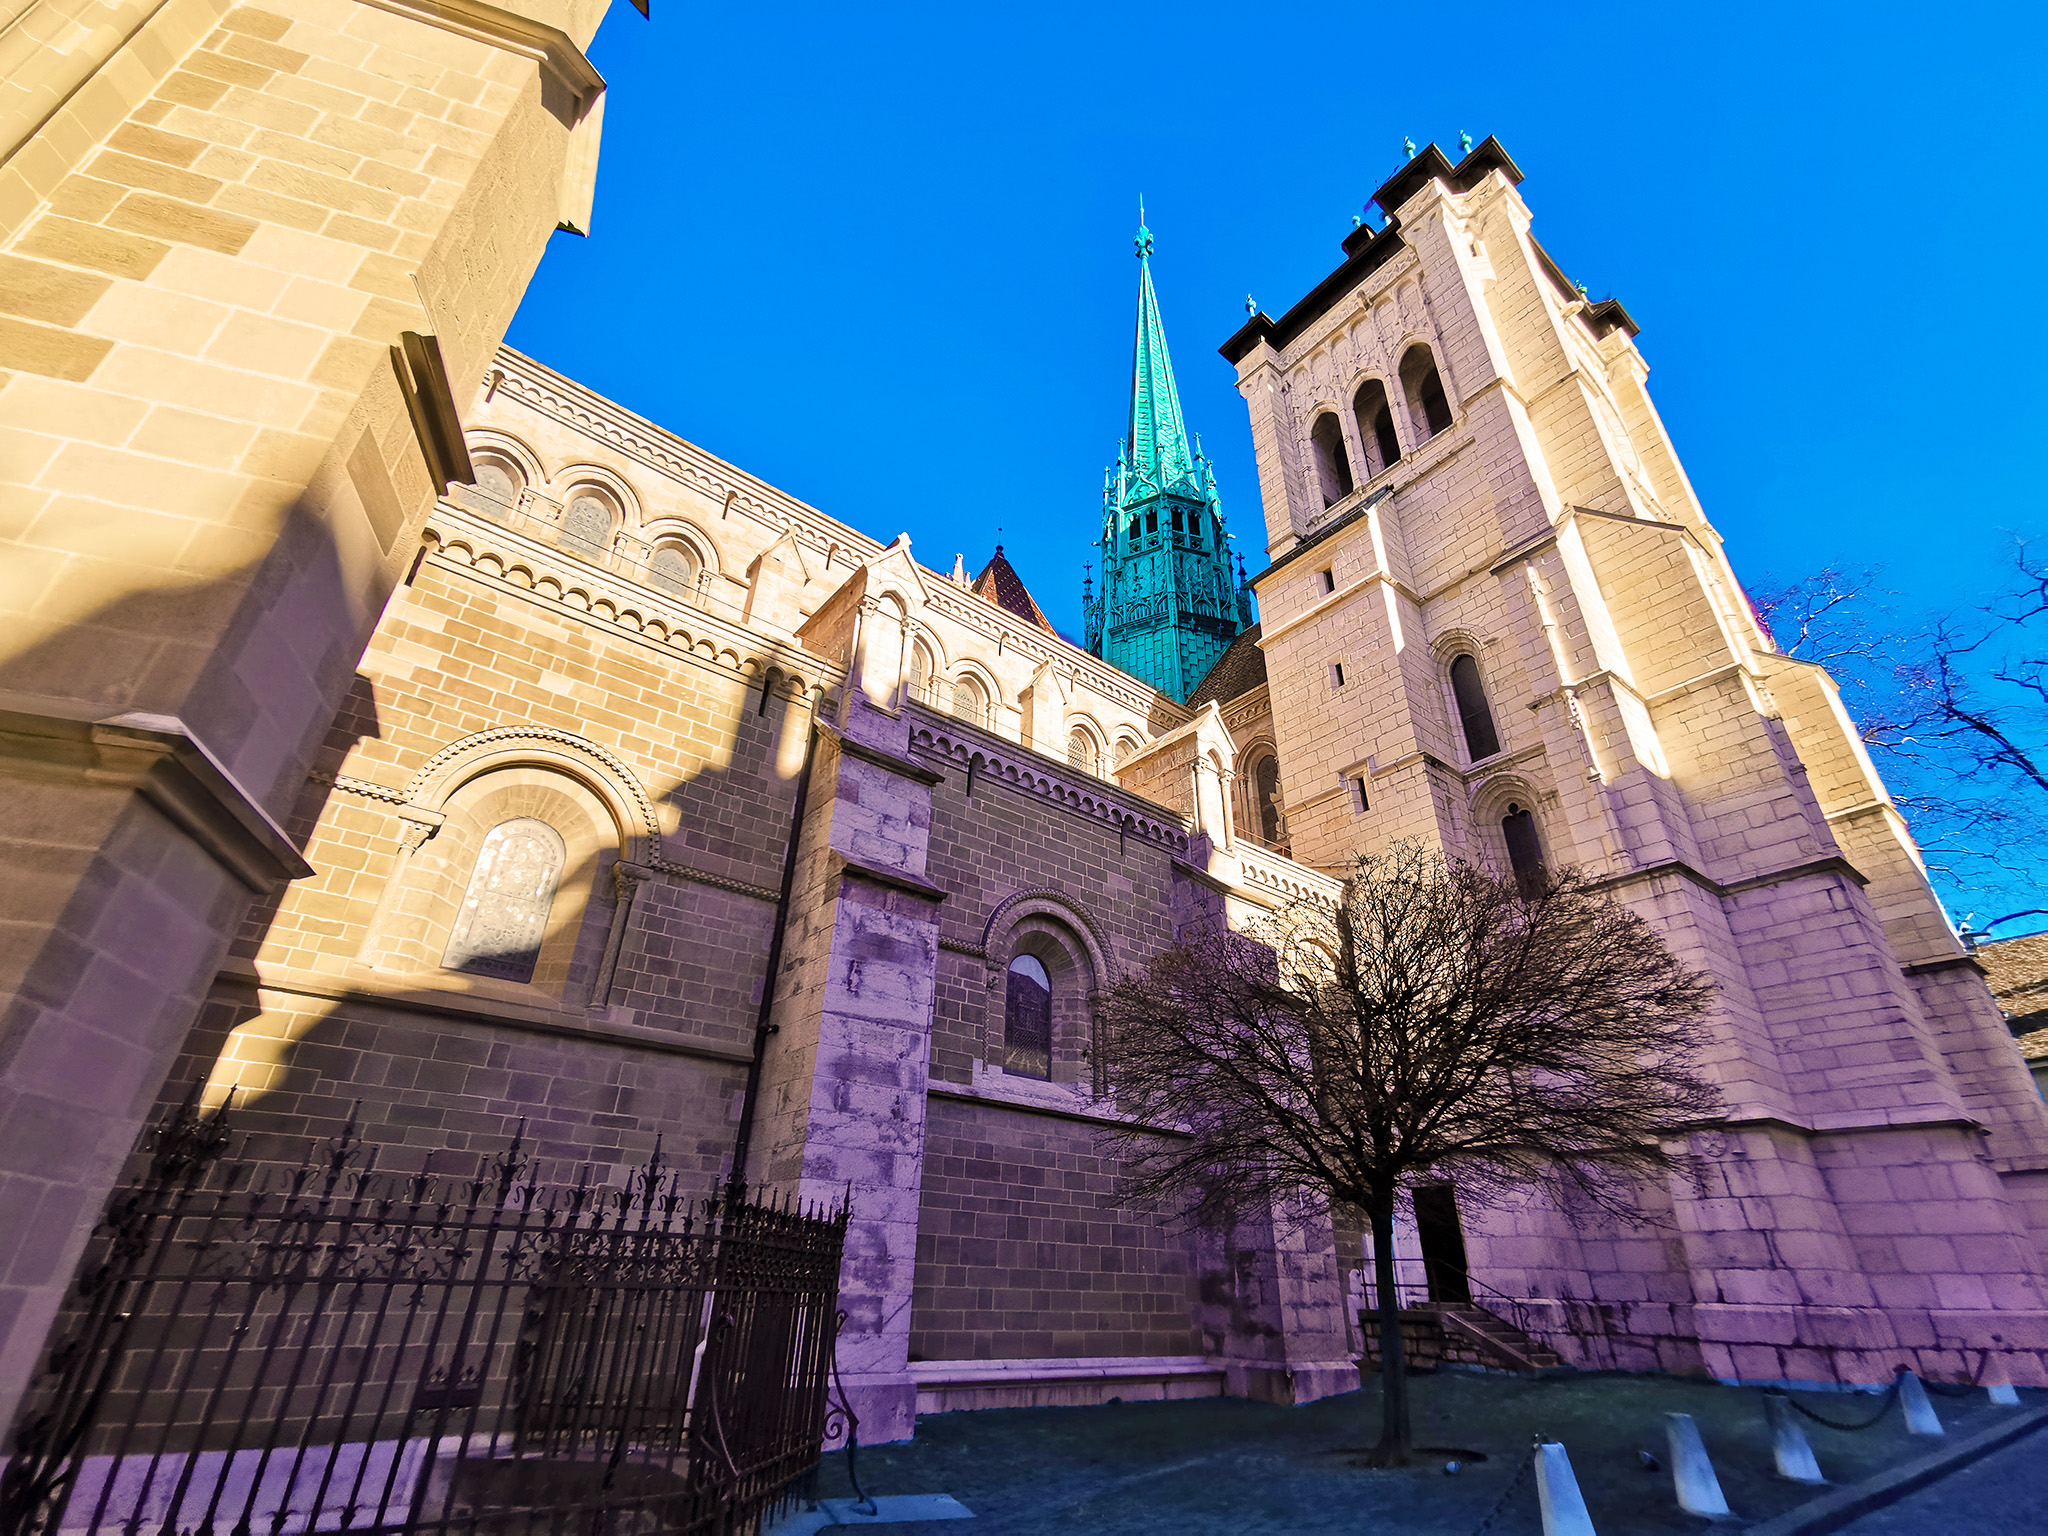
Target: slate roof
(1001, 585)
(2018, 972)
(1236, 673)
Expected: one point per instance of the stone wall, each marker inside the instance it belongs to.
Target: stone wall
(1647, 724)
(215, 223)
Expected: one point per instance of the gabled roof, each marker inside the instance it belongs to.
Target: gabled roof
(1001, 585)
(1236, 673)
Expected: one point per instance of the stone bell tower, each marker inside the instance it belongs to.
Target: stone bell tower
(1497, 619)
(1168, 607)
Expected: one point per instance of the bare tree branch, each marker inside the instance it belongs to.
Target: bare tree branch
(1436, 1022)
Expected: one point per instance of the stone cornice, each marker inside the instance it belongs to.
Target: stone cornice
(465, 540)
(369, 989)
(1020, 769)
(549, 47)
(159, 757)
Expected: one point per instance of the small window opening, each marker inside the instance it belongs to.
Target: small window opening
(1474, 716)
(1081, 750)
(1525, 850)
(1179, 517)
(1027, 1019)
(1134, 526)
(1194, 525)
(673, 570)
(1426, 403)
(1326, 581)
(969, 702)
(1266, 798)
(1333, 464)
(1152, 521)
(587, 526)
(1336, 674)
(1359, 801)
(1376, 427)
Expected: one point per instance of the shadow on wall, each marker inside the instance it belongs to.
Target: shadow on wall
(622, 1014)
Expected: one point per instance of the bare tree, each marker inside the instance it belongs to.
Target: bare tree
(1955, 715)
(1436, 1021)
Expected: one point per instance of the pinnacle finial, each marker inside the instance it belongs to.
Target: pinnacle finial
(1144, 240)
(1251, 305)
(1408, 148)
(1464, 142)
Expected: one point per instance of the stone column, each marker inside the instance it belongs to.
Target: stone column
(842, 1106)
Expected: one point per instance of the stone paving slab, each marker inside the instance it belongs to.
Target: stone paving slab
(1213, 1466)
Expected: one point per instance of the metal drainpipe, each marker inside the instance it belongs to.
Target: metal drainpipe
(736, 1183)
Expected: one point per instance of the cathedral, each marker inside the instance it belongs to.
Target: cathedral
(476, 757)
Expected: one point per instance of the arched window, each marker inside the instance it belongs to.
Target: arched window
(1427, 407)
(1525, 850)
(496, 487)
(587, 525)
(970, 701)
(923, 670)
(504, 914)
(1266, 800)
(1481, 740)
(1081, 752)
(1333, 464)
(673, 568)
(1027, 1019)
(1376, 427)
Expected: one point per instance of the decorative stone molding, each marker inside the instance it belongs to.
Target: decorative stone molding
(1049, 900)
(430, 780)
(595, 594)
(1013, 767)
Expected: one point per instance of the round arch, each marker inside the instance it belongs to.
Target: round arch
(632, 812)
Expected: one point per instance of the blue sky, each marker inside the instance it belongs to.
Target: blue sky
(881, 256)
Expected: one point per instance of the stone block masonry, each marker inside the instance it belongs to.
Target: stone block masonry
(1872, 1196)
(215, 222)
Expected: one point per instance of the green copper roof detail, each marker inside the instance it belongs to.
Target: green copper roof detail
(1168, 607)
(1157, 439)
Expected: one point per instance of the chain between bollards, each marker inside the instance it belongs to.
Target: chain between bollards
(1507, 1493)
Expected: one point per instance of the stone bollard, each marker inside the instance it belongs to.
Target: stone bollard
(1699, 1491)
(1788, 1441)
(2002, 1394)
(1564, 1507)
(1920, 1415)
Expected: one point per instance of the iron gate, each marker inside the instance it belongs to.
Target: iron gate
(265, 1350)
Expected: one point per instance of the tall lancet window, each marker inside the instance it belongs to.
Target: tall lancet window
(1027, 1019)
(504, 914)
(1473, 714)
(1525, 850)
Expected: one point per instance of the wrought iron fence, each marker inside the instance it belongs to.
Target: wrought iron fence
(269, 1350)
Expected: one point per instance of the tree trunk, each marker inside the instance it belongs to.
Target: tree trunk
(1396, 1441)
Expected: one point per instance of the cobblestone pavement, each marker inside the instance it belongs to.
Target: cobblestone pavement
(1224, 1467)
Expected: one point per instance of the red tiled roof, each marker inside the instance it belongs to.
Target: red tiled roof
(1001, 585)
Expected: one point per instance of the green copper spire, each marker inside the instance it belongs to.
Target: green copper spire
(1157, 437)
(1168, 607)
